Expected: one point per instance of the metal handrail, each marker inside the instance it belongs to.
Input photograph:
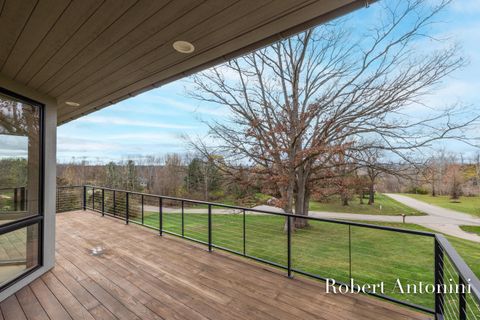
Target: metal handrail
(11, 188)
(462, 268)
(442, 247)
(214, 204)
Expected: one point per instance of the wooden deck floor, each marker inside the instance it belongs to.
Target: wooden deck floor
(140, 275)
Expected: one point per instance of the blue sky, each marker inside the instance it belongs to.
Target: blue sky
(153, 123)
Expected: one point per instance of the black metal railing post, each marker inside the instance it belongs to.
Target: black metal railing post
(84, 198)
(93, 198)
(114, 203)
(244, 234)
(210, 227)
(143, 211)
(183, 218)
(103, 202)
(126, 208)
(289, 247)
(462, 300)
(23, 201)
(439, 296)
(160, 216)
(15, 199)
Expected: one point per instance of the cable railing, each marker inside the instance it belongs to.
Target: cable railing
(414, 268)
(451, 270)
(69, 198)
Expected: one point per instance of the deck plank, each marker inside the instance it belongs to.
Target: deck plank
(11, 309)
(142, 276)
(76, 310)
(49, 302)
(30, 304)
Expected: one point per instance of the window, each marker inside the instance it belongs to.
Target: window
(21, 188)
(18, 252)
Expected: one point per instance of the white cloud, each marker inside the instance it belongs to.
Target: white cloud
(13, 146)
(145, 137)
(466, 6)
(453, 91)
(128, 122)
(66, 144)
(157, 103)
(201, 109)
(116, 146)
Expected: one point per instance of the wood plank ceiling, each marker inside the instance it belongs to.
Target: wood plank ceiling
(96, 53)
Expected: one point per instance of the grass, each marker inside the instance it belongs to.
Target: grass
(469, 250)
(323, 248)
(383, 206)
(471, 229)
(6, 200)
(470, 205)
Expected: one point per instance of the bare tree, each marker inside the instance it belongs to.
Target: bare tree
(173, 174)
(433, 168)
(455, 178)
(476, 164)
(374, 164)
(301, 101)
(370, 160)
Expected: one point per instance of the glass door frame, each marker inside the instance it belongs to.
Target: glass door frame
(39, 218)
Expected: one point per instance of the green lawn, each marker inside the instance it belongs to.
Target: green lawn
(471, 229)
(383, 206)
(6, 200)
(469, 205)
(469, 250)
(323, 248)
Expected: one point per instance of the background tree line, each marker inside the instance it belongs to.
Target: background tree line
(171, 175)
(195, 177)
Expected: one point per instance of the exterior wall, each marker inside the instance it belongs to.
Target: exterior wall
(50, 161)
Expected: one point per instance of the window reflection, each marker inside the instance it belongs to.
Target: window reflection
(19, 159)
(18, 252)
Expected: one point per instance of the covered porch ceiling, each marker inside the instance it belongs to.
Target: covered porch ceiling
(96, 53)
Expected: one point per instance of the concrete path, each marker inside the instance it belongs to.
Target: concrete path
(440, 219)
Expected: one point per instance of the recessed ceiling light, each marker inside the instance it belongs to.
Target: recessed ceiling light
(72, 104)
(183, 46)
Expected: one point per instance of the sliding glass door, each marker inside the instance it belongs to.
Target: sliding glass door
(21, 186)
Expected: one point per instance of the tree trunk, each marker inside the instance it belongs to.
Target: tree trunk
(371, 194)
(345, 200)
(301, 200)
(306, 205)
(206, 181)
